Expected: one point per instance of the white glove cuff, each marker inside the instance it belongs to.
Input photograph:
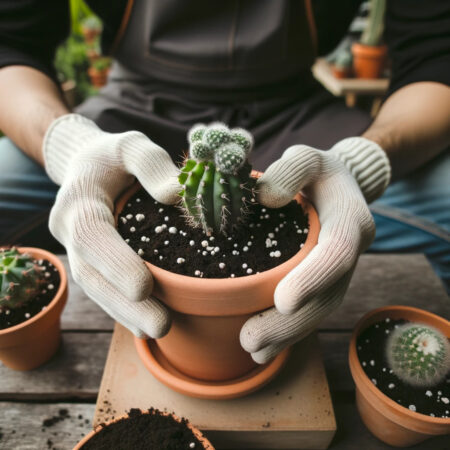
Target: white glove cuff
(62, 140)
(367, 162)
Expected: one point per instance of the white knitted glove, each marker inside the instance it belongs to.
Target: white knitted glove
(338, 182)
(93, 168)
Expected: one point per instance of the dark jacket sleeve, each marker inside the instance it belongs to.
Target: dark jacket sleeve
(30, 31)
(418, 36)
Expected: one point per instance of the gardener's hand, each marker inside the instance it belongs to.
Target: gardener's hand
(339, 183)
(93, 168)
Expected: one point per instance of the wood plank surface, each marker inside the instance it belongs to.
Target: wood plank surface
(74, 372)
(22, 425)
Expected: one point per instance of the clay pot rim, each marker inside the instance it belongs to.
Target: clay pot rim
(197, 433)
(39, 253)
(360, 377)
(247, 280)
(363, 50)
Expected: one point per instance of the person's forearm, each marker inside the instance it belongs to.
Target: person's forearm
(413, 126)
(29, 102)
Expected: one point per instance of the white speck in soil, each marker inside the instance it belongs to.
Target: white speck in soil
(277, 253)
(132, 229)
(245, 249)
(158, 229)
(166, 218)
(140, 252)
(374, 381)
(445, 400)
(138, 200)
(372, 362)
(166, 242)
(244, 266)
(172, 230)
(232, 275)
(387, 320)
(160, 210)
(180, 260)
(140, 217)
(222, 265)
(249, 271)
(27, 315)
(129, 216)
(306, 231)
(191, 243)
(204, 243)
(161, 257)
(391, 385)
(412, 407)
(364, 364)
(50, 287)
(123, 220)
(192, 445)
(155, 251)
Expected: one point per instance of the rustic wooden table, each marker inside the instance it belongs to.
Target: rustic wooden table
(52, 407)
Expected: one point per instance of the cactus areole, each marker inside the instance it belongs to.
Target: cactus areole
(217, 187)
(20, 278)
(418, 354)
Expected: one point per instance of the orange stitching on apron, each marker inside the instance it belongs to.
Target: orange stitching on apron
(123, 26)
(312, 25)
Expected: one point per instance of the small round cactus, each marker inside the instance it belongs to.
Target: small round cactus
(418, 354)
(216, 182)
(20, 278)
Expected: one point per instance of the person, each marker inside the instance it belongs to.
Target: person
(245, 63)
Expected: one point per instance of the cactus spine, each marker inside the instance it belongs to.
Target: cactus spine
(216, 182)
(20, 278)
(418, 354)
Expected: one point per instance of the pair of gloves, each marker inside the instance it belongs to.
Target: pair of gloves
(93, 168)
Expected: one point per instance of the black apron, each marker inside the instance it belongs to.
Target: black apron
(243, 62)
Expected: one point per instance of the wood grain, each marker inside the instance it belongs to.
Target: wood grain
(74, 373)
(21, 425)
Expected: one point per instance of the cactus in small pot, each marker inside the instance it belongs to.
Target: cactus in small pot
(373, 31)
(20, 278)
(216, 184)
(418, 354)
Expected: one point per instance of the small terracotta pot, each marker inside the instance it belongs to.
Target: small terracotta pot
(385, 418)
(340, 72)
(98, 77)
(197, 433)
(208, 313)
(31, 343)
(368, 61)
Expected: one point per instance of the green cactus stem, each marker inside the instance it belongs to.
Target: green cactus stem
(373, 32)
(418, 354)
(20, 278)
(216, 183)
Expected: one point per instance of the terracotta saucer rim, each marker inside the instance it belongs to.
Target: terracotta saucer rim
(221, 390)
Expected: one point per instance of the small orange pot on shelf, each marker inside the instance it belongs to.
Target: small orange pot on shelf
(98, 77)
(32, 343)
(201, 356)
(386, 419)
(369, 61)
(197, 433)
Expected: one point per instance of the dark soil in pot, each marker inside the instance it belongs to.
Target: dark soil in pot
(160, 235)
(11, 317)
(145, 432)
(371, 349)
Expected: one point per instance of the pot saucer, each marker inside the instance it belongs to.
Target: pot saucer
(162, 370)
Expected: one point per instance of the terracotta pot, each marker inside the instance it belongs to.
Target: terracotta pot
(98, 77)
(208, 314)
(32, 343)
(197, 433)
(385, 418)
(339, 72)
(368, 61)
(90, 34)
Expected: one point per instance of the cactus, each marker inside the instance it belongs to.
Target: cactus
(20, 278)
(216, 181)
(418, 354)
(373, 32)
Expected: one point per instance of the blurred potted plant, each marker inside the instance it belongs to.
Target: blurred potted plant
(98, 72)
(91, 27)
(369, 55)
(342, 66)
(33, 292)
(400, 360)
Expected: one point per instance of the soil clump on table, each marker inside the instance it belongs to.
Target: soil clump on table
(145, 431)
(160, 235)
(11, 317)
(371, 348)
